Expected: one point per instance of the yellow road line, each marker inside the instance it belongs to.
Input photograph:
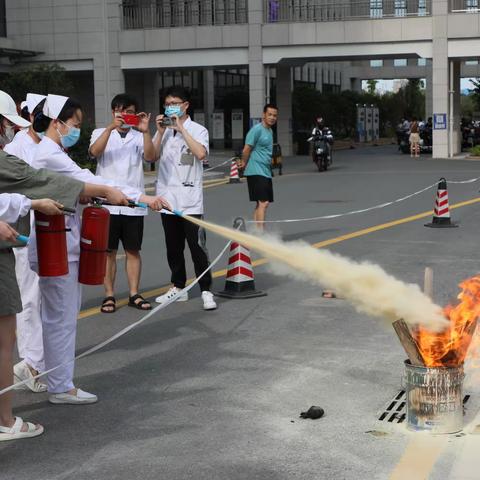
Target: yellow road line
(419, 457)
(262, 261)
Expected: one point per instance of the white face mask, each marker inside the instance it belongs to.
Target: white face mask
(9, 132)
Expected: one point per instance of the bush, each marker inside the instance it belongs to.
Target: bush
(79, 152)
(475, 151)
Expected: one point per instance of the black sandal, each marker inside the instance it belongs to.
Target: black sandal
(108, 303)
(138, 305)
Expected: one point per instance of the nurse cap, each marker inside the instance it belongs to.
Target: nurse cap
(32, 100)
(9, 110)
(53, 105)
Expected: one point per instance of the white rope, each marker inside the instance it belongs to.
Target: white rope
(364, 210)
(121, 333)
(219, 165)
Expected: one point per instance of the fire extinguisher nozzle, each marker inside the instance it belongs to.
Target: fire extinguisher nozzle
(23, 238)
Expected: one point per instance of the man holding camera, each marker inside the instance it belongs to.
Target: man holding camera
(120, 149)
(183, 145)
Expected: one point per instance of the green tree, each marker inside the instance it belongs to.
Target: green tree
(372, 86)
(42, 79)
(475, 92)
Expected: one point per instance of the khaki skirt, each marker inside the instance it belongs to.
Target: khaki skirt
(414, 138)
(10, 300)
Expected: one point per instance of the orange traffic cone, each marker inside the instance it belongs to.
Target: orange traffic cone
(441, 211)
(240, 281)
(234, 177)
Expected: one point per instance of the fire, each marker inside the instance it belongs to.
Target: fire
(449, 347)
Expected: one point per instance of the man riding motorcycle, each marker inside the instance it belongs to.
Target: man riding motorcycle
(322, 139)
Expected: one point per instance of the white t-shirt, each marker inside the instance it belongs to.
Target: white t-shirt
(122, 162)
(180, 174)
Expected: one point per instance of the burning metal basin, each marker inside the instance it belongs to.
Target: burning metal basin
(434, 398)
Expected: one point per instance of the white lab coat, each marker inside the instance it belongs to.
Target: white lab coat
(29, 322)
(61, 296)
(180, 175)
(122, 162)
(13, 206)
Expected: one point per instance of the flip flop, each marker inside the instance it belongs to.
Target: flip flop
(108, 303)
(15, 432)
(138, 305)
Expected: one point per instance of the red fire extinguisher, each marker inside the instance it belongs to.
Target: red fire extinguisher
(93, 245)
(51, 245)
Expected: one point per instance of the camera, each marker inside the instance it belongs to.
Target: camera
(167, 122)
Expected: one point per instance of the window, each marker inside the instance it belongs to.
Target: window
(422, 62)
(471, 62)
(376, 8)
(400, 62)
(3, 19)
(422, 8)
(400, 8)
(376, 63)
(472, 4)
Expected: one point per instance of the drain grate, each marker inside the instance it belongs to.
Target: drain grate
(395, 411)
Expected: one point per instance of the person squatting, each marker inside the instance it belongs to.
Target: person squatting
(37, 174)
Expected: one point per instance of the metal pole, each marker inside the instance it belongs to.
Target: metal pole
(267, 90)
(450, 123)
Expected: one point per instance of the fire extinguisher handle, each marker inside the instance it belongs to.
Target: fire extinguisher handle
(68, 210)
(23, 238)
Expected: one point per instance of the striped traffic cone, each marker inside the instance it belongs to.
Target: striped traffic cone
(441, 211)
(240, 281)
(234, 177)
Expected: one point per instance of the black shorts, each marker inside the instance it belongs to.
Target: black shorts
(128, 229)
(260, 188)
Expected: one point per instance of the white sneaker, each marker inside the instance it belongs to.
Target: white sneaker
(174, 291)
(21, 372)
(208, 301)
(81, 398)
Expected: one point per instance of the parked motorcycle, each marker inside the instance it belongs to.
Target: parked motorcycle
(322, 142)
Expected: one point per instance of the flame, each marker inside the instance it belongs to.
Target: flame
(449, 347)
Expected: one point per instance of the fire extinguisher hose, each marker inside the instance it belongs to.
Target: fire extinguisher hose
(124, 331)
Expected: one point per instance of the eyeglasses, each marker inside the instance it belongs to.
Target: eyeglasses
(129, 111)
(172, 104)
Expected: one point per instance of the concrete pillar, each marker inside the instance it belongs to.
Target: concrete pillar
(284, 104)
(256, 71)
(440, 75)
(455, 97)
(356, 84)
(208, 97)
(107, 75)
(428, 92)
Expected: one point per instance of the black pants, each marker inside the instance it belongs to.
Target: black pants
(177, 230)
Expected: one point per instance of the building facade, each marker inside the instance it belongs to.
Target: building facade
(218, 46)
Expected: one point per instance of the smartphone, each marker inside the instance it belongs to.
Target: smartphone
(167, 122)
(130, 119)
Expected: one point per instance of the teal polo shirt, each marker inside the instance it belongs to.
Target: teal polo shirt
(260, 139)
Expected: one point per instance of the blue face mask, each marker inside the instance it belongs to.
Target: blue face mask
(173, 110)
(71, 138)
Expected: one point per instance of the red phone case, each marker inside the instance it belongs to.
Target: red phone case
(130, 119)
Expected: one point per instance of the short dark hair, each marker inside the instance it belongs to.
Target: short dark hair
(269, 105)
(41, 122)
(124, 100)
(177, 91)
